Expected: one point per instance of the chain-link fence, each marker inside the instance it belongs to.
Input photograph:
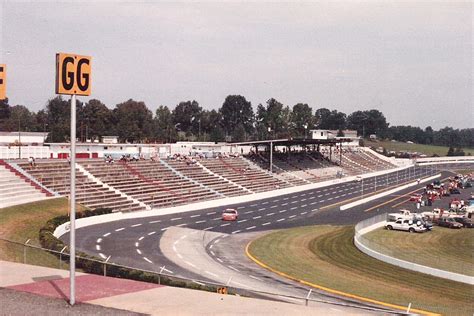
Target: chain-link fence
(28, 253)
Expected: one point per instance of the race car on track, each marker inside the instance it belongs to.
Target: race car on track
(416, 197)
(230, 215)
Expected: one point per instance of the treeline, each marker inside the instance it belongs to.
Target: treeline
(235, 120)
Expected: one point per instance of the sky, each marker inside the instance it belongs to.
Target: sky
(410, 60)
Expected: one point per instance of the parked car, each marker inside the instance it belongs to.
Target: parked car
(449, 222)
(466, 222)
(230, 214)
(416, 197)
(407, 225)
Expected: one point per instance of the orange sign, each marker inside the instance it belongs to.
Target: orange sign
(3, 81)
(73, 74)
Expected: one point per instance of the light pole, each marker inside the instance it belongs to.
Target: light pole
(305, 130)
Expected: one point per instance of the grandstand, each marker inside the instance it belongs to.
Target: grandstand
(163, 182)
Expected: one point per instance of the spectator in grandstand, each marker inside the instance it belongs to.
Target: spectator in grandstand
(68, 160)
(30, 161)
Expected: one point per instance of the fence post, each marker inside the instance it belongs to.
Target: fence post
(24, 251)
(307, 296)
(61, 255)
(409, 307)
(159, 274)
(105, 265)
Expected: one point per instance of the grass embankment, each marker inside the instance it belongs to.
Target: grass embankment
(326, 255)
(442, 248)
(22, 222)
(429, 150)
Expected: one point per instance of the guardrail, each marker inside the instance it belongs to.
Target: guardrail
(24, 250)
(386, 254)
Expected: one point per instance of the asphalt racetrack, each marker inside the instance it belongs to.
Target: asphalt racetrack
(198, 245)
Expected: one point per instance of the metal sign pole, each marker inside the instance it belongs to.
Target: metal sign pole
(72, 200)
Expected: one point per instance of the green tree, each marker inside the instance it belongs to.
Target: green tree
(97, 120)
(237, 111)
(368, 122)
(4, 113)
(20, 117)
(165, 130)
(58, 112)
(187, 117)
(302, 119)
(134, 121)
(270, 120)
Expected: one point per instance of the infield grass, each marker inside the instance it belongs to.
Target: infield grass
(429, 150)
(442, 248)
(22, 222)
(325, 255)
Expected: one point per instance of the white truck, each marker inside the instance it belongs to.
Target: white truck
(402, 214)
(408, 225)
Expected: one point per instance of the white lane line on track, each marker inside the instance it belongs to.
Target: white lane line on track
(281, 219)
(282, 211)
(176, 219)
(252, 205)
(233, 268)
(291, 216)
(320, 195)
(213, 253)
(248, 212)
(102, 256)
(211, 213)
(190, 264)
(139, 251)
(226, 224)
(120, 229)
(97, 247)
(199, 222)
(163, 229)
(240, 207)
(106, 234)
(99, 240)
(312, 203)
(266, 202)
(217, 241)
(304, 205)
(197, 215)
(217, 218)
(180, 225)
(210, 273)
(236, 231)
(273, 206)
(302, 200)
(303, 194)
(147, 260)
(136, 225)
(210, 247)
(151, 233)
(253, 277)
(141, 238)
(311, 198)
(302, 213)
(219, 259)
(256, 217)
(314, 210)
(137, 244)
(285, 198)
(251, 227)
(269, 214)
(262, 209)
(294, 208)
(276, 200)
(153, 222)
(284, 204)
(294, 202)
(242, 221)
(208, 228)
(322, 201)
(267, 223)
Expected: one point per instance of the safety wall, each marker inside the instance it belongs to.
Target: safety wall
(386, 254)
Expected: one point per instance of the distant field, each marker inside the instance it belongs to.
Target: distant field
(22, 222)
(325, 255)
(425, 149)
(442, 248)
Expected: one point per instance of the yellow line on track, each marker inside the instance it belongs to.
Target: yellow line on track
(320, 287)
